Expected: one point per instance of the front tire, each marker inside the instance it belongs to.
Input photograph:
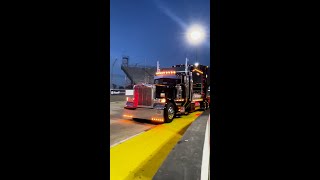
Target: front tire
(169, 113)
(203, 106)
(206, 105)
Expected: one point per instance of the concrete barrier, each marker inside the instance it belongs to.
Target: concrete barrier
(129, 92)
(205, 167)
(117, 91)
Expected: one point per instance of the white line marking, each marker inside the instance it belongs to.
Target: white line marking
(206, 153)
(125, 139)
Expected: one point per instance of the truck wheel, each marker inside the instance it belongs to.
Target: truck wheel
(206, 105)
(169, 113)
(203, 106)
(187, 110)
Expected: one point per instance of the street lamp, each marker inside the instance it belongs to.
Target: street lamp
(195, 36)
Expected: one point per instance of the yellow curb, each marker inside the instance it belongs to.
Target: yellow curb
(141, 156)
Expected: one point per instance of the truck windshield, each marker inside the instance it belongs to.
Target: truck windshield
(167, 81)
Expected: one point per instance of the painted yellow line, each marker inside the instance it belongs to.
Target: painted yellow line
(140, 157)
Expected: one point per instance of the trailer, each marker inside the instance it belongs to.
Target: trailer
(176, 91)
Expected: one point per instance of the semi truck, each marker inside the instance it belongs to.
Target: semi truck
(177, 90)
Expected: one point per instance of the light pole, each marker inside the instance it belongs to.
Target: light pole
(196, 54)
(195, 36)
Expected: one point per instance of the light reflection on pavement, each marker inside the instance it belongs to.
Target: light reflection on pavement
(123, 128)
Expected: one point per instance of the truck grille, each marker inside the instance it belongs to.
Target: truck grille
(143, 95)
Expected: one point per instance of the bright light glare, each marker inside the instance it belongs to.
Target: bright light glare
(196, 64)
(195, 34)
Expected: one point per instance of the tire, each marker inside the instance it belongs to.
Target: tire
(203, 106)
(169, 113)
(188, 110)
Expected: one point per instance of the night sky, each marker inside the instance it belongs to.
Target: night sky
(151, 30)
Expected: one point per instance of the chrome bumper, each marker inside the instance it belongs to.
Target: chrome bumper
(144, 113)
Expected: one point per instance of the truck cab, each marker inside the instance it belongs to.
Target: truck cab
(177, 90)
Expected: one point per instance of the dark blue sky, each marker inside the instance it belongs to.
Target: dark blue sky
(154, 30)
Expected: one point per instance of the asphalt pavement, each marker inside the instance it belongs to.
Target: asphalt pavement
(114, 98)
(122, 128)
(185, 160)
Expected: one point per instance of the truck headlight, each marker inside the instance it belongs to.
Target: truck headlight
(130, 99)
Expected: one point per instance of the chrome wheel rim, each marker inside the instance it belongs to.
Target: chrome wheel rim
(170, 112)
